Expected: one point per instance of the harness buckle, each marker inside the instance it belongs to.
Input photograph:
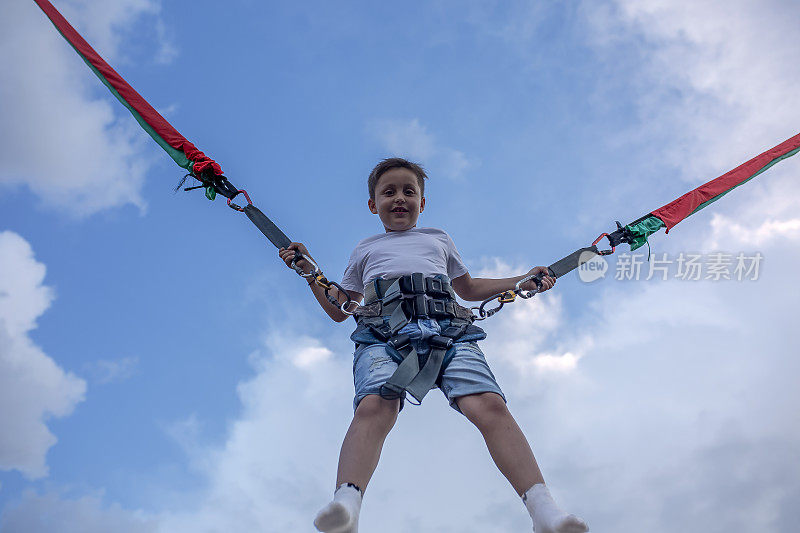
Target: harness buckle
(441, 342)
(417, 283)
(382, 331)
(419, 306)
(413, 283)
(436, 287)
(398, 342)
(437, 307)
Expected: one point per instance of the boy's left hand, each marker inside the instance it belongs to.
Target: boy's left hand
(547, 281)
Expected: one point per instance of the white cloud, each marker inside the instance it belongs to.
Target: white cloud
(716, 80)
(33, 387)
(685, 399)
(411, 139)
(277, 460)
(167, 51)
(726, 229)
(557, 363)
(50, 512)
(77, 151)
(674, 412)
(277, 465)
(683, 394)
(105, 371)
(523, 328)
(302, 351)
(494, 267)
(104, 24)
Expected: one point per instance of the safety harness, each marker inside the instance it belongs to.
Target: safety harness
(390, 304)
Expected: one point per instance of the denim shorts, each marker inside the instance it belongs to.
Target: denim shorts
(467, 373)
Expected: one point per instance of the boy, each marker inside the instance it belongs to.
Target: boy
(403, 271)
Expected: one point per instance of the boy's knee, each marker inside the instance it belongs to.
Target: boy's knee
(374, 406)
(482, 406)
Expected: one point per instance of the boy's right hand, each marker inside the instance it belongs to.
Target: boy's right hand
(287, 254)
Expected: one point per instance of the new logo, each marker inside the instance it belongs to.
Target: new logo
(593, 267)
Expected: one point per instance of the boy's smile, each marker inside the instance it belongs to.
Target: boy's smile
(398, 200)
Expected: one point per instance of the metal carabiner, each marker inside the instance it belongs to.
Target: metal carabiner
(504, 298)
(343, 307)
(314, 273)
(236, 207)
(328, 285)
(322, 281)
(604, 252)
(528, 294)
(481, 313)
(507, 297)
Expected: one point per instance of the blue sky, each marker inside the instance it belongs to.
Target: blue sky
(162, 371)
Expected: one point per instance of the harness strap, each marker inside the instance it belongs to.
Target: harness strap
(409, 377)
(397, 320)
(407, 370)
(409, 285)
(431, 297)
(402, 299)
(429, 374)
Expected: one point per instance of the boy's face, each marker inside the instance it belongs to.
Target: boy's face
(398, 199)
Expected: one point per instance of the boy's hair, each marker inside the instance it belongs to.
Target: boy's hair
(395, 162)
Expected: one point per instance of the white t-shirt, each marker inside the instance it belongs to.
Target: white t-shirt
(397, 253)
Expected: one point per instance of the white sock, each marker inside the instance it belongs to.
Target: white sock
(549, 517)
(341, 515)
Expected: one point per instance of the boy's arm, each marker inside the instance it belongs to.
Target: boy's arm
(478, 289)
(287, 254)
(333, 312)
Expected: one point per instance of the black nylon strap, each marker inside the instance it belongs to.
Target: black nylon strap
(267, 227)
(572, 261)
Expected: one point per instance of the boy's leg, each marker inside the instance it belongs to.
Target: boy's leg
(361, 449)
(362, 445)
(507, 444)
(513, 456)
